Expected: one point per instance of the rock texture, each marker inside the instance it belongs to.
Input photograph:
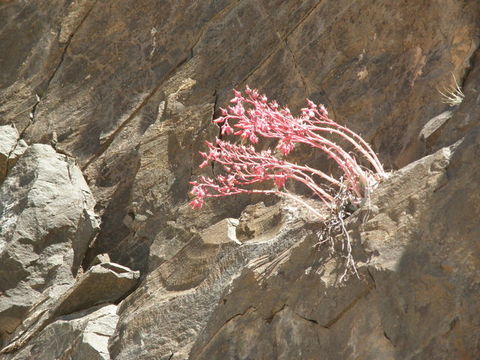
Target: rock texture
(105, 71)
(415, 298)
(11, 148)
(46, 225)
(280, 297)
(102, 284)
(79, 336)
(129, 88)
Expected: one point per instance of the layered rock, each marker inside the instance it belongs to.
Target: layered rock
(104, 283)
(95, 95)
(416, 293)
(129, 89)
(82, 335)
(46, 224)
(11, 148)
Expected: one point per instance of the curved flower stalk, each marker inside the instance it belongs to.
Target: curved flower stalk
(245, 167)
(253, 117)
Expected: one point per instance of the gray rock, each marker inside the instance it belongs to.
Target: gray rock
(102, 283)
(381, 80)
(46, 224)
(11, 148)
(281, 297)
(222, 232)
(432, 130)
(136, 115)
(259, 223)
(79, 336)
(100, 259)
(417, 295)
(8, 141)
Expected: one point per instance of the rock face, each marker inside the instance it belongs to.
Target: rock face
(46, 225)
(415, 298)
(79, 336)
(11, 148)
(102, 284)
(129, 88)
(280, 298)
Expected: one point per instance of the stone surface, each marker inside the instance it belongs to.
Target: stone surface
(46, 224)
(466, 116)
(259, 223)
(101, 284)
(79, 336)
(193, 281)
(11, 148)
(100, 259)
(417, 295)
(173, 64)
(433, 128)
(129, 88)
(222, 232)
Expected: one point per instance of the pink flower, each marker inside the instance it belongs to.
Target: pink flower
(285, 146)
(280, 180)
(226, 129)
(259, 171)
(311, 104)
(253, 119)
(196, 203)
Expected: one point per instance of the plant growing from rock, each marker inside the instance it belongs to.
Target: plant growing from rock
(253, 118)
(452, 95)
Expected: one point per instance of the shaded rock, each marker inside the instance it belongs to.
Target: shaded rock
(16, 153)
(187, 288)
(46, 224)
(259, 222)
(465, 116)
(11, 148)
(100, 259)
(377, 76)
(431, 132)
(283, 292)
(103, 283)
(79, 336)
(417, 295)
(32, 60)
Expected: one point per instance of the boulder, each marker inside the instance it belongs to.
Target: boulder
(102, 283)
(82, 335)
(11, 148)
(47, 221)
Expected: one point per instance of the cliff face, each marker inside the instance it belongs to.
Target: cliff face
(123, 93)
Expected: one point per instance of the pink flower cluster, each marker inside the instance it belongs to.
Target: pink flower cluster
(253, 117)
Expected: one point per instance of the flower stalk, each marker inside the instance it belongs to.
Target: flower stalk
(252, 117)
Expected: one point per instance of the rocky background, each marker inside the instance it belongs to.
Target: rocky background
(104, 105)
